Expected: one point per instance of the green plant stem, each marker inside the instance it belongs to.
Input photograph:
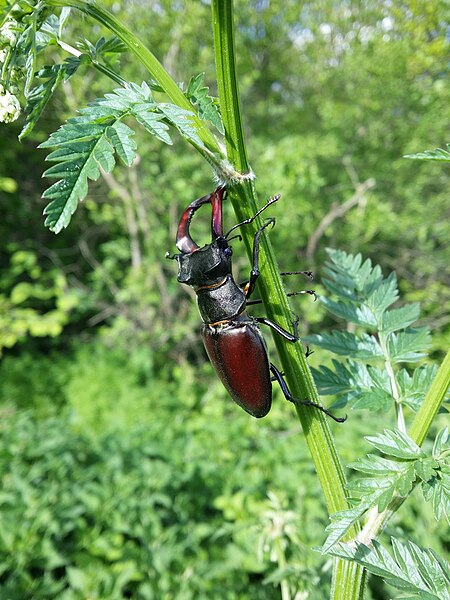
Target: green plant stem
(281, 559)
(150, 62)
(432, 403)
(298, 374)
(401, 425)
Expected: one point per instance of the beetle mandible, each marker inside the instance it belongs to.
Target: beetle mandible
(232, 339)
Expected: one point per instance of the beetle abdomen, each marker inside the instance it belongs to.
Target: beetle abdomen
(238, 353)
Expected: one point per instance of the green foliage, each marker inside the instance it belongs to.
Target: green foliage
(383, 338)
(367, 376)
(405, 466)
(43, 388)
(86, 144)
(104, 395)
(412, 570)
(123, 513)
(32, 302)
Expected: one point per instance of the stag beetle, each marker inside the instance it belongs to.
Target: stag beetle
(232, 339)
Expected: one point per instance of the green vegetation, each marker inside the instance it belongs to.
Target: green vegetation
(126, 470)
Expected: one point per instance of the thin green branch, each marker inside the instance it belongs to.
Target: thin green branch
(100, 67)
(298, 374)
(401, 425)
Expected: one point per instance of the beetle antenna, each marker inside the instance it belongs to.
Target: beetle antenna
(307, 273)
(236, 237)
(251, 219)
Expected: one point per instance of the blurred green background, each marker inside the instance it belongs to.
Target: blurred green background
(127, 471)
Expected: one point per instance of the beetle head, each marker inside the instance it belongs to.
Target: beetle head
(201, 266)
(206, 265)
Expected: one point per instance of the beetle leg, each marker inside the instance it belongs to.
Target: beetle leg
(308, 352)
(254, 273)
(287, 336)
(287, 394)
(307, 273)
(310, 292)
(273, 378)
(281, 331)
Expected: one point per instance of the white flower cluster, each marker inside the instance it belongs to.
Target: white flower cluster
(9, 106)
(8, 35)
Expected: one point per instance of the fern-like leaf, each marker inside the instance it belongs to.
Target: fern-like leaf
(411, 569)
(440, 154)
(84, 149)
(384, 336)
(345, 343)
(40, 95)
(404, 466)
(208, 107)
(87, 144)
(355, 383)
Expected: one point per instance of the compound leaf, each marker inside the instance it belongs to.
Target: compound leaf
(94, 152)
(396, 443)
(208, 107)
(86, 144)
(413, 570)
(344, 343)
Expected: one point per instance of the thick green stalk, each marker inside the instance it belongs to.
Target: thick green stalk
(432, 403)
(316, 428)
(147, 58)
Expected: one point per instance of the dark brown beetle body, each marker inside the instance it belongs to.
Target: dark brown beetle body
(232, 339)
(238, 352)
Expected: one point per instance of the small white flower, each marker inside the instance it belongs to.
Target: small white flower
(9, 106)
(8, 36)
(3, 55)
